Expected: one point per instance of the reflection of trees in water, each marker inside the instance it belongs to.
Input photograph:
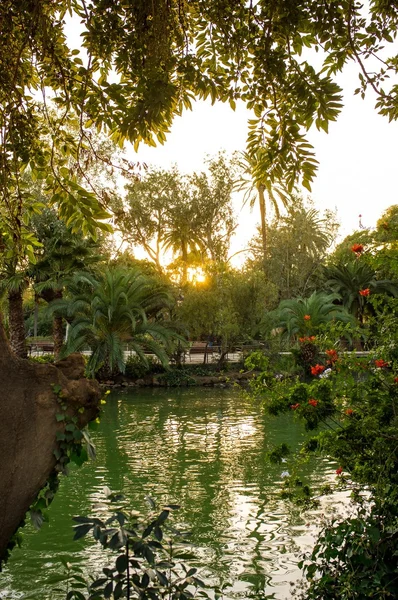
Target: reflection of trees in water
(207, 451)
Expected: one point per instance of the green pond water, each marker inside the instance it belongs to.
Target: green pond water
(203, 449)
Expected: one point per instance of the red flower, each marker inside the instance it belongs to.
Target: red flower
(357, 248)
(339, 471)
(307, 317)
(349, 412)
(381, 363)
(312, 402)
(317, 369)
(294, 406)
(332, 354)
(396, 379)
(309, 339)
(365, 292)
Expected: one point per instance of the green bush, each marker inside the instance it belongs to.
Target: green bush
(43, 358)
(177, 378)
(136, 369)
(352, 407)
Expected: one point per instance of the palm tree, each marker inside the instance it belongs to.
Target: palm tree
(304, 316)
(63, 255)
(354, 282)
(183, 235)
(118, 307)
(258, 187)
(315, 237)
(14, 285)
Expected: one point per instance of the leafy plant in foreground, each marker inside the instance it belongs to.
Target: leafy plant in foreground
(148, 562)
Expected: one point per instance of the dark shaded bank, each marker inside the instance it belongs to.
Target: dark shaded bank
(195, 375)
(29, 423)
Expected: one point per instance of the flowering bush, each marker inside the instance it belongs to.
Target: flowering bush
(381, 363)
(357, 248)
(354, 416)
(307, 340)
(317, 369)
(365, 292)
(332, 355)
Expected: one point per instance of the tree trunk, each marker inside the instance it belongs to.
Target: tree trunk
(58, 329)
(58, 335)
(36, 317)
(28, 427)
(16, 324)
(263, 214)
(184, 256)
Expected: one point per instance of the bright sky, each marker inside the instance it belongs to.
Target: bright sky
(357, 174)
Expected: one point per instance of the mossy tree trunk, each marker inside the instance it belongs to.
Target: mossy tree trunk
(16, 323)
(28, 427)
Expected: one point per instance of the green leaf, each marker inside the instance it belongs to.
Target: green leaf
(158, 533)
(122, 563)
(162, 578)
(81, 531)
(163, 516)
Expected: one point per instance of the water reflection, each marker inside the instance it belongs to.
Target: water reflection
(203, 449)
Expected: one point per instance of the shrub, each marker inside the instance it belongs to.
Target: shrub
(136, 369)
(147, 563)
(43, 358)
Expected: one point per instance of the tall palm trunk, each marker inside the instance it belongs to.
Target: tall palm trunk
(263, 214)
(5, 354)
(184, 255)
(36, 316)
(16, 324)
(58, 329)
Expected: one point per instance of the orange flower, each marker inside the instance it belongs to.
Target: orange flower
(309, 339)
(381, 363)
(317, 369)
(307, 317)
(349, 412)
(332, 354)
(294, 406)
(357, 248)
(313, 402)
(339, 471)
(365, 292)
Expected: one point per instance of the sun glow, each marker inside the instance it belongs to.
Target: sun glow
(196, 275)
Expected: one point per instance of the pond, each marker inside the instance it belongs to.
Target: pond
(204, 449)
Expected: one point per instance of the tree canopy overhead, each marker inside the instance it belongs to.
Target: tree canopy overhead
(144, 62)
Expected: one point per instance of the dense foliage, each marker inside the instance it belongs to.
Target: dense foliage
(139, 65)
(351, 406)
(114, 309)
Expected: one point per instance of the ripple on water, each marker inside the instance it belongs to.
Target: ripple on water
(203, 449)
